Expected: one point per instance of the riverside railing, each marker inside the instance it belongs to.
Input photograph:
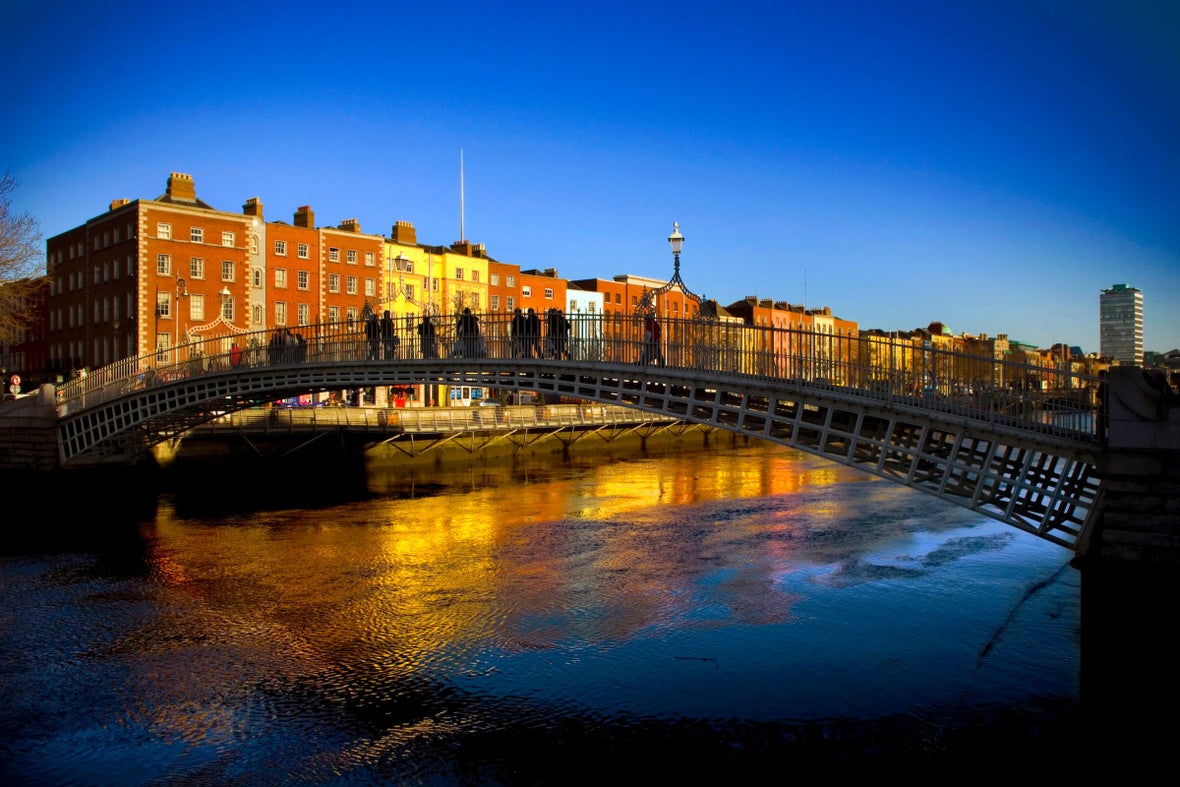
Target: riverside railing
(1040, 398)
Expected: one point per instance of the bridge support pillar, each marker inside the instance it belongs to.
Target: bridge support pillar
(1138, 518)
(1130, 572)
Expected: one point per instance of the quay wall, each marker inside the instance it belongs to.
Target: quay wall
(28, 433)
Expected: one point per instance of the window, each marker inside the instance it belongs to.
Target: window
(510, 303)
(352, 256)
(281, 278)
(459, 274)
(163, 264)
(351, 315)
(304, 314)
(164, 230)
(304, 279)
(618, 298)
(526, 291)
(164, 304)
(281, 248)
(227, 310)
(510, 281)
(333, 314)
(475, 275)
(370, 288)
(369, 259)
(228, 239)
(196, 268)
(227, 270)
(333, 282)
(350, 285)
(410, 291)
(256, 276)
(333, 255)
(548, 293)
(196, 307)
(495, 280)
(196, 234)
(280, 313)
(253, 244)
(302, 251)
(495, 303)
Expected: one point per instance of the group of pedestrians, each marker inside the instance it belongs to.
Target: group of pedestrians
(382, 337)
(525, 334)
(528, 338)
(286, 347)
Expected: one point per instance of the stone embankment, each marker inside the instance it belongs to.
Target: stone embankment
(28, 432)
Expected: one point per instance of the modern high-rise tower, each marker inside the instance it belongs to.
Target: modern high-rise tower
(1120, 326)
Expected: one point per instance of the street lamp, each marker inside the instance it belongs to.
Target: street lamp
(676, 240)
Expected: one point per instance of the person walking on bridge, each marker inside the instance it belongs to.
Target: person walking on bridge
(532, 347)
(519, 329)
(426, 343)
(389, 340)
(467, 331)
(651, 352)
(373, 334)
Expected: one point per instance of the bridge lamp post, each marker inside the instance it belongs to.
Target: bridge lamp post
(676, 240)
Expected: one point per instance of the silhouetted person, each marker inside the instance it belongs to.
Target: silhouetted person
(519, 329)
(426, 338)
(389, 340)
(532, 335)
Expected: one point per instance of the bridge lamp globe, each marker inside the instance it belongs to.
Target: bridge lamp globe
(224, 295)
(676, 240)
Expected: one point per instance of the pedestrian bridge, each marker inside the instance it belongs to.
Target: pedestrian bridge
(1013, 442)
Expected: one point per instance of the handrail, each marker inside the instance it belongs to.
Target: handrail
(1039, 399)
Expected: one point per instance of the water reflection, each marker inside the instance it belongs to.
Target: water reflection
(539, 622)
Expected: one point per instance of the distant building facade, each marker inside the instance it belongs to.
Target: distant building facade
(1120, 326)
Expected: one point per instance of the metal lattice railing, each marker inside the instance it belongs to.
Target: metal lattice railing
(1038, 399)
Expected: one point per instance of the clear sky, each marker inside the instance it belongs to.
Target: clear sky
(990, 165)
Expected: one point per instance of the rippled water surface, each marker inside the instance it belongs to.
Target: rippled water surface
(687, 616)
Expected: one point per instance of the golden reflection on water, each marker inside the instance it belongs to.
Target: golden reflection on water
(440, 568)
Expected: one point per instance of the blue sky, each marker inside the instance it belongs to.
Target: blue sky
(990, 165)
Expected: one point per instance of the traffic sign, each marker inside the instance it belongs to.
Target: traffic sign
(15, 379)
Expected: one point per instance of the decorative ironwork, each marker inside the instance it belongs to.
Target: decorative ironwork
(647, 302)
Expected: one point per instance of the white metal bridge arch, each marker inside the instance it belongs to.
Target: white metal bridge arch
(1024, 459)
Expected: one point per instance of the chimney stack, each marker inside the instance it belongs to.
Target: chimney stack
(253, 207)
(304, 217)
(118, 203)
(404, 232)
(351, 225)
(181, 188)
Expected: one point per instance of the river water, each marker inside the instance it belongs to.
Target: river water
(722, 615)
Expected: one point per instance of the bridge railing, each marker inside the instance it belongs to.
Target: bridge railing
(1050, 399)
